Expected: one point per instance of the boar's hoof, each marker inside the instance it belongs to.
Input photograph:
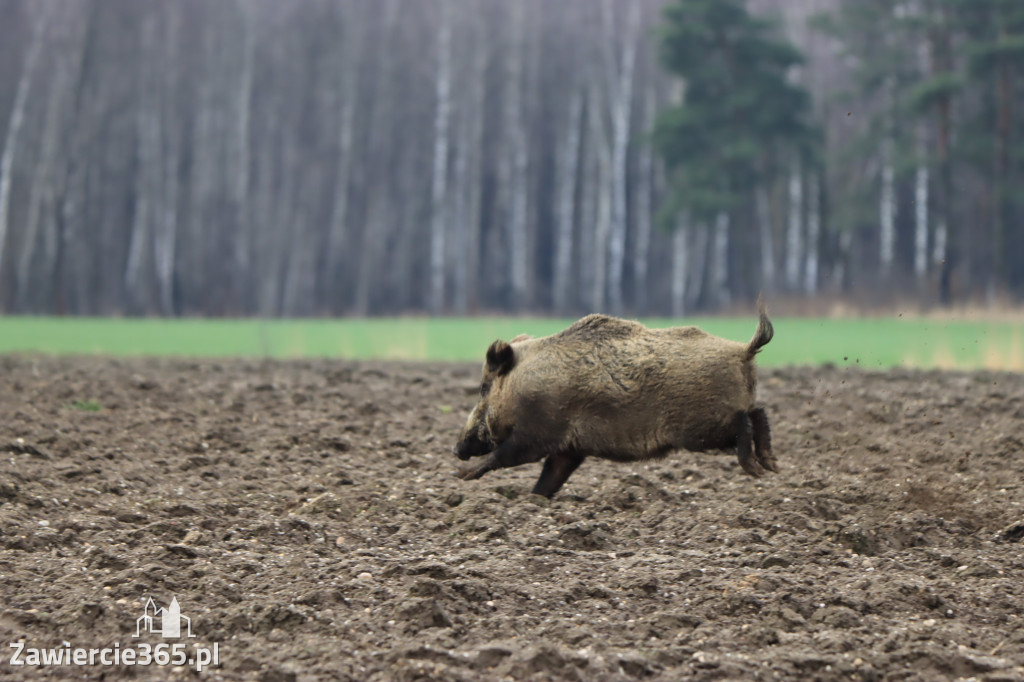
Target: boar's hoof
(752, 466)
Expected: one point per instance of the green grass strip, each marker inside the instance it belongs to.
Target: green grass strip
(871, 343)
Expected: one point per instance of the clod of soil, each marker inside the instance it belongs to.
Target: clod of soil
(307, 518)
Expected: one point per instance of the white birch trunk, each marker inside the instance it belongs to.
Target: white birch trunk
(566, 221)
(839, 272)
(70, 273)
(622, 100)
(699, 247)
(42, 186)
(286, 246)
(148, 177)
(589, 193)
(939, 250)
(470, 173)
(720, 260)
(380, 205)
(300, 282)
(794, 234)
(887, 197)
(887, 209)
(519, 159)
(764, 223)
(242, 161)
(921, 178)
(680, 261)
(458, 247)
(15, 123)
(339, 233)
(439, 186)
(644, 188)
(921, 212)
(602, 225)
(813, 235)
(599, 287)
(50, 272)
(266, 199)
(166, 239)
(202, 188)
(404, 292)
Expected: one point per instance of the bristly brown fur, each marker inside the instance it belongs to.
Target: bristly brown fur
(612, 388)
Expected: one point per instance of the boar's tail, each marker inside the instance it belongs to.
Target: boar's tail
(764, 332)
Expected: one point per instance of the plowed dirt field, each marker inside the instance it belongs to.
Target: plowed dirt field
(307, 518)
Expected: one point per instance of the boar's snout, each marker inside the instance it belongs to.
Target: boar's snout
(476, 437)
(471, 444)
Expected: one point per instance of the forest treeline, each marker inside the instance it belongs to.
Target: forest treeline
(328, 157)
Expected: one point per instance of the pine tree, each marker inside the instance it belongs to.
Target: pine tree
(993, 124)
(740, 117)
(948, 112)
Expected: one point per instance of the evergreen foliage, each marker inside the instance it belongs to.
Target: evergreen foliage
(950, 68)
(740, 115)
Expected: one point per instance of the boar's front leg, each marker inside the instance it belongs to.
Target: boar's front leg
(508, 454)
(475, 471)
(557, 469)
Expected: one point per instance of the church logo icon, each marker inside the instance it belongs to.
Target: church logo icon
(167, 622)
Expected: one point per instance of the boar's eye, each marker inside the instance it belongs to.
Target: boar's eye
(485, 388)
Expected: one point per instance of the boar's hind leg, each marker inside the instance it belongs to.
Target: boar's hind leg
(557, 469)
(745, 445)
(763, 439)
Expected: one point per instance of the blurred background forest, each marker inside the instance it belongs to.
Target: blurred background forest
(377, 157)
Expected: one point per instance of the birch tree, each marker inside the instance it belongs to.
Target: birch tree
(698, 246)
(603, 202)
(794, 233)
(241, 160)
(41, 190)
(644, 200)
(620, 87)
(887, 193)
(380, 209)
(680, 262)
(517, 151)
(166, 240)
(149, 179)
(569, 155)
(171, 158)
(439, 193)
(921, 204)
(17, 121)
(469, 166)
(720, 290)
(813, 234)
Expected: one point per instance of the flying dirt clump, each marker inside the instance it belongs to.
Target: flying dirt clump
(614, 389)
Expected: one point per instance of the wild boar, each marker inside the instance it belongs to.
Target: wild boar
(612, 388)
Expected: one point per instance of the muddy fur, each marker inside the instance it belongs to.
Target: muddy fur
(612, 388)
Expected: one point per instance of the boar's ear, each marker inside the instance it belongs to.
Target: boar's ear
(500, 357)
